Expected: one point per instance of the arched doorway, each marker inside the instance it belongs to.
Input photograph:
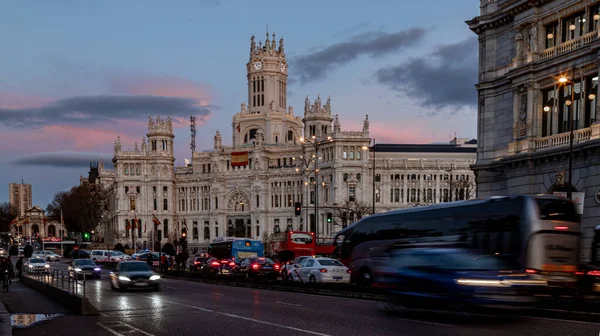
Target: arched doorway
(238, 218)
(35, 230)
(51, 231)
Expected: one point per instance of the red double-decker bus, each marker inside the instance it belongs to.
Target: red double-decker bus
(299, 243)
(324, 247)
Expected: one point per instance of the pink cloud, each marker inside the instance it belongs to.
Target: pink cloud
(405, 132)
(13, 100)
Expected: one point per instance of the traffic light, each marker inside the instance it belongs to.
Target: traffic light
(86, 236)
(183, 233)
(329, 217)
(298, 208)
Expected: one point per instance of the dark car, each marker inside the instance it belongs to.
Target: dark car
(438, 277)
(197, 264)
(79, 254)
(257, 268)
(86, 267)
(219, 267)
(134, 274)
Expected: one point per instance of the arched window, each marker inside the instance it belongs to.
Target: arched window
(250, 135)
(138, 171)
(166, 228)
(345, 177)
(290, 137)
(126, 171)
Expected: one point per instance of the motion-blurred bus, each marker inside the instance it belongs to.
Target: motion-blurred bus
(236, 248)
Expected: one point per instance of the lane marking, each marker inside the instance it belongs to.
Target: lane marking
(570, 311)
(105, 315)
(243, 318)
(424, 322)
(559, 320)
(289, 304)
(122, 333)
(171, 287)
(219, 294)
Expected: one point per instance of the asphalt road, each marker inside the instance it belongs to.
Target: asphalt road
(189, 308)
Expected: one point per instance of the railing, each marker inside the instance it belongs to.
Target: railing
(569, 45)
(61, 279)
(562, 139)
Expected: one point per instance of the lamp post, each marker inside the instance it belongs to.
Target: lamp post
(306, 172)
(316, 144)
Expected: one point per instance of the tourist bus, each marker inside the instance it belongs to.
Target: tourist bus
(298, 243)
(325, 247)
(536, 234)
(236, 248)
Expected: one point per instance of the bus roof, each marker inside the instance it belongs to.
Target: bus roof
(232, 239)
(450, 205)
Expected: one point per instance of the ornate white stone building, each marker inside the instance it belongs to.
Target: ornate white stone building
(252, 186)
(526, 110)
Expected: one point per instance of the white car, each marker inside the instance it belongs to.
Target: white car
(320, 270)
(37, 265)
(289, 267)
(46, 255)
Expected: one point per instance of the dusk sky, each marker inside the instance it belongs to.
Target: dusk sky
(76, 74)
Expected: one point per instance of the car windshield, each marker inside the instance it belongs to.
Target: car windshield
(37, 261)
(450, 261)
(330, 262)
(83, 262)
(134, 267)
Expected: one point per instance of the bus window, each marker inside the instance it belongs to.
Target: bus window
(557, 209)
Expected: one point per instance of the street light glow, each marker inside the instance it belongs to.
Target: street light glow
(562, 79)
(546, 108)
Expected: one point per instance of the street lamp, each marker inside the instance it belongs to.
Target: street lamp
(316, 144)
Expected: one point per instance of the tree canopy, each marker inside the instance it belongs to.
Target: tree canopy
(7, 215)
(82, 207)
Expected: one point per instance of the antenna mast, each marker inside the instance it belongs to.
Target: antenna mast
(193, 134)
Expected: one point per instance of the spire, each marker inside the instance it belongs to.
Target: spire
(267, 41)
(252, 46)
(273, 43)
(281, 51)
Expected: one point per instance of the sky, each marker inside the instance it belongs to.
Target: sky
(76, 74)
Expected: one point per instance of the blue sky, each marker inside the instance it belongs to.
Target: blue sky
(78, 73)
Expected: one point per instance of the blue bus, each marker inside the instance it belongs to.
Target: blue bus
(237, 248)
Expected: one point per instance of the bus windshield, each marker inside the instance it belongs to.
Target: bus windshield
(301, 238)
(557, 209)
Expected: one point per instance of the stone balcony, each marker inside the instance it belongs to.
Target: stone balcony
(569, 46)
(555, 141)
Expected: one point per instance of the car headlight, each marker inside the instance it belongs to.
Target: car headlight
(155, 277)
(97, 269)
(122, 278)
(78, 270)
(31, 266)
(47, 266)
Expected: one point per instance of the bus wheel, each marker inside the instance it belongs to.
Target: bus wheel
(364, 278)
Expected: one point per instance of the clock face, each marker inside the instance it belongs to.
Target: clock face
(257, 65)
(282, 67)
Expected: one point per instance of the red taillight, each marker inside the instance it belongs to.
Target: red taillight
(232, 264)
(594, 273)
(578, 273)
(276, 266)
(561, 228)
(196, 263)
(323, 270)
(215, 263)
(255, 266)
(224, 261)
(531, 271)
(349, 271)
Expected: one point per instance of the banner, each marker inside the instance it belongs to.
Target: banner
(239, 159)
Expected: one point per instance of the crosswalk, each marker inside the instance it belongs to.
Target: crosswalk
(118, 328)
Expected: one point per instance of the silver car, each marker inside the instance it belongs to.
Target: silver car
(134, 274)
(85, 267)
(37, 265)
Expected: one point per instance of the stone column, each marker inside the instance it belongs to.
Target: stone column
(515, 120)
(532, 110)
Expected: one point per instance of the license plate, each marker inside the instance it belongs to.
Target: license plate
(225, 271)
(141, 284)
(337, 278)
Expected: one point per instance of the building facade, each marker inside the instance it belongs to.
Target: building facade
(275, 161)
(20, 197)
(538, 75)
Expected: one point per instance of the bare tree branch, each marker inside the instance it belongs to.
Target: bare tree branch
(348, 213)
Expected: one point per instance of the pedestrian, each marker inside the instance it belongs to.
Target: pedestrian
(149, 259)
(19, 267)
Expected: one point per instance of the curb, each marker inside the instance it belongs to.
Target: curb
(5, 323)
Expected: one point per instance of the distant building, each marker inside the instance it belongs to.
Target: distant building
(525, 112)
(250, 187)
(20, 197)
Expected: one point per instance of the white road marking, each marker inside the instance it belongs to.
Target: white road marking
(559, 320)
(107, 327)
(424, 322)
(219, 294)
(105, 315)
(243, 318)
(289, 304)
(171, 287)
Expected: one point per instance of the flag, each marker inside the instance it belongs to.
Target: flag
(15, 221)
(155, 220)
(136, 224)
(127, 225)
(239, 159)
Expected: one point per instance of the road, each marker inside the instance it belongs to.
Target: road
(189, 308)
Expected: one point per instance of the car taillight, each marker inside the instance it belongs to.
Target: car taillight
(561, 228)
(196, 263)
(232, 264)
(594, 273)
(349, 271)
(255, 266)
(578, 273)
(224, 261)
(323, 270)
(531, 271)
(215, 263)
(276, 266)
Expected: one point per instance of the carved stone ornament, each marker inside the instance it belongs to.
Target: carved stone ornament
(523, 107)
(560, 178)
(520, 129)
(533, 40)
(520, 52)
(236, 199)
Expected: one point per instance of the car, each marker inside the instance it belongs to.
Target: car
(197, 263)
(85, 267)
(257, 268)
(289, 267)
(46, 255)
(37, 265)
(133, 274)
(319, 270)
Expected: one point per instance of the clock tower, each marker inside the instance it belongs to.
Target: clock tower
(266, 119)
(267, 77)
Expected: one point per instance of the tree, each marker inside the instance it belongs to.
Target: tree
(462, 189)
(82, 207)
(7, 215)
(349, 212)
